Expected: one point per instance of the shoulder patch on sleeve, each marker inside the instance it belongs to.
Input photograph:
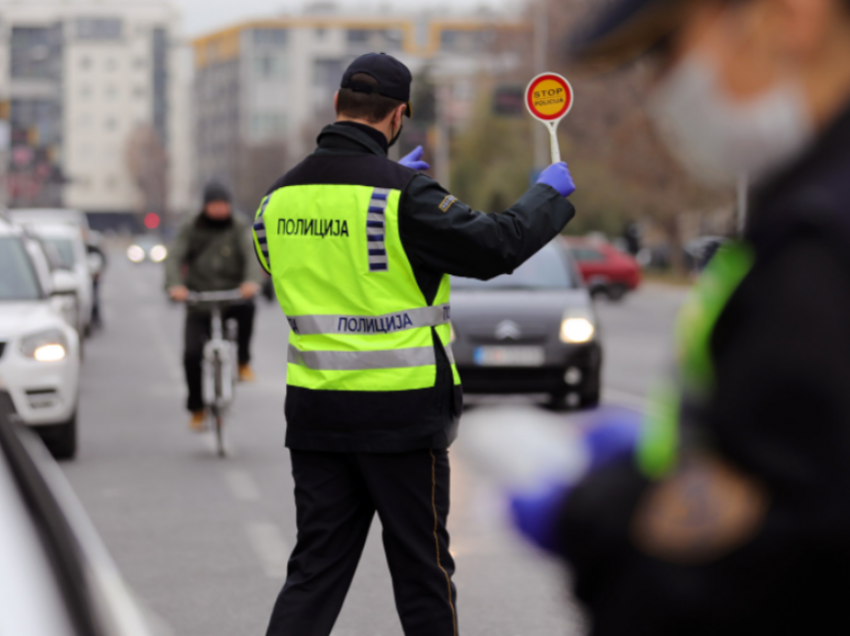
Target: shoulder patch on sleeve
(702, 512)
(448, 202)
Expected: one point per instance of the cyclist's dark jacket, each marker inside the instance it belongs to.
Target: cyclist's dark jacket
(210, 255)
(452, 240)
(780, 414)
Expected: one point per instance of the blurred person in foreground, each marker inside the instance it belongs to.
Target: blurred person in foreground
(729, 512)
(360, 249)
(213, 251)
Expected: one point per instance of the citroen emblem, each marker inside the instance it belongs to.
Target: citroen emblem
(508, 330)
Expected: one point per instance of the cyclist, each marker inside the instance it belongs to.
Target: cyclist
(213, 252)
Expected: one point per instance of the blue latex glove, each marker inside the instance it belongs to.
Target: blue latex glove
(558, 176)
(535, 514)
(613, 435)
(414, 160)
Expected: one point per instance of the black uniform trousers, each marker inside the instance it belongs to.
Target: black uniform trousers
(336, 497)
(197, 332)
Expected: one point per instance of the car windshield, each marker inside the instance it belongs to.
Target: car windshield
(18, 281)
(545, 270)
(65, 249)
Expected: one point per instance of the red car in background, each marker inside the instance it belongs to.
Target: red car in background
(605, 269)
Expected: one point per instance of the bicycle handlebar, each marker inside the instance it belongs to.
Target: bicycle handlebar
(215, 297)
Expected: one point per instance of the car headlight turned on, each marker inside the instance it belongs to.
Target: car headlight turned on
(158, 253)
(47, 346)
(135, 253)
(577, 329)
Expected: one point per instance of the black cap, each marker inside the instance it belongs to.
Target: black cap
(392, 76)
(626, 29)
(215, 191)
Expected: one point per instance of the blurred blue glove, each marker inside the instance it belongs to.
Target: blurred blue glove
(535, 514)
(613, 435)
(558, 176)
(414, 160)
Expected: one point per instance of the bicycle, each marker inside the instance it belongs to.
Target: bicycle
(219, 369)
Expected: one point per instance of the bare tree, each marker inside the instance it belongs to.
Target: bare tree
(147, 162)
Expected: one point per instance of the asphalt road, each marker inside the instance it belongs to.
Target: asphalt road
(204, 541)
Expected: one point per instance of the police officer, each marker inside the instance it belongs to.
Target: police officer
(733, 515)
(360, 250)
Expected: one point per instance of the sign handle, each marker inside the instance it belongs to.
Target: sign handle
(553, 141)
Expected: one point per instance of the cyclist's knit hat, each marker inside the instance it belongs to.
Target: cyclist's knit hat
(216, 192)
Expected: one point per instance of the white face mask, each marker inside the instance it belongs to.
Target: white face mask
(717, 139)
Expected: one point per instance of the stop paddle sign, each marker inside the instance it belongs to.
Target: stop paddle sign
(549, 98)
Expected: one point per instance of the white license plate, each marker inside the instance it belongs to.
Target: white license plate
(509, 356)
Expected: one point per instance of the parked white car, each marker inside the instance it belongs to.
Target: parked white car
(57, 577)
(67, 244)
(39, 349)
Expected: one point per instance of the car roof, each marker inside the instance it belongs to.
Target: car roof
(50, 215)
(53, 229)
(8, 228)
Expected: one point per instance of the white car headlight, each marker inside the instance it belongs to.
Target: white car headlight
(135, 253)
(577, 327)
(47, 346)
(158, 253)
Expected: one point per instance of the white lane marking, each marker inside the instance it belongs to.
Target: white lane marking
(624, 398)
(267, 540)
(241, 485)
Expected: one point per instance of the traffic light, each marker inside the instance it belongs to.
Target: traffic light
(151, 220)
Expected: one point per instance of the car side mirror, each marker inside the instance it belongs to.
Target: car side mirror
(63, 282)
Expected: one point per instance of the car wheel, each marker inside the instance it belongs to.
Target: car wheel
(616, 292)
(61, 439)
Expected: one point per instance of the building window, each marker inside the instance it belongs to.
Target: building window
(111, 92)
(140, 92)
(85, 91)
(36, 53)
(270, 66)
(111, 64)
(111, 182)
(270, 37)
(111, 124)
(378, 39)
(268, 126)
(140, 64)
(85, 63)
(99, 28)
(358, 36)
(327, 74)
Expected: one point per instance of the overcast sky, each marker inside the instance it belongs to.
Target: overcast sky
(200, 16)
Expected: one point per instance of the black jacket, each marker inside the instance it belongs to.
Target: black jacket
(441, 235)
(780, 414)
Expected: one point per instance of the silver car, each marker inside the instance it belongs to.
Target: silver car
(533, 331)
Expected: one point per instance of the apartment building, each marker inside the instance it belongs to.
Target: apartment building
(263, 87)
(96, 107)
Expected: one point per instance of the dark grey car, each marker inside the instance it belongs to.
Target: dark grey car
(533, 331)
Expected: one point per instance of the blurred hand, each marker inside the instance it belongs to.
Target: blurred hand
(179, 293)
(558, 176)
(249, 289)
(535, 514)
(414, 160)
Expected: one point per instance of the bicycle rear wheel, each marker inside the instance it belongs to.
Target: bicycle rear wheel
(218, 415)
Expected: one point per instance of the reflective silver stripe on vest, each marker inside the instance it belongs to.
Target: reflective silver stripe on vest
(388, 323)
(362, 360)
(260, 230)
